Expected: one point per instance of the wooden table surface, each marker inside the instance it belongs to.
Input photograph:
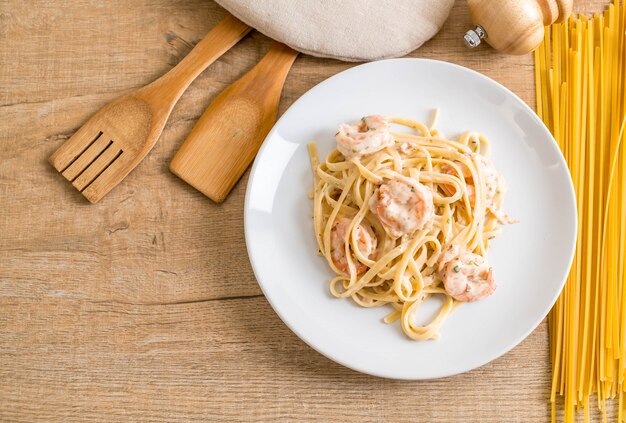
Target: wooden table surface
(144, 307)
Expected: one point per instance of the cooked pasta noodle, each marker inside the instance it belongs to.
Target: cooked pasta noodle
(404, 216)
(581, 96)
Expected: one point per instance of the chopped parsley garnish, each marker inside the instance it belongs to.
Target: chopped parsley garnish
(456, 269)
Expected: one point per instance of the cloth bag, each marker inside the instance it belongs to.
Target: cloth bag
(349, 30)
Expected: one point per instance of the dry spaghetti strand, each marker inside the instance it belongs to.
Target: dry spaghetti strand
(581, 96)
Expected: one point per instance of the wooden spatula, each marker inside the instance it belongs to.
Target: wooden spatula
(229, 133)
(104, 150)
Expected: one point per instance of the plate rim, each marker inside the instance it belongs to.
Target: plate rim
(377, 372)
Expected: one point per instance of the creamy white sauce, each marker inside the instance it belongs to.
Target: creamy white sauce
(467, 276)
(369, 135)
(403, 206)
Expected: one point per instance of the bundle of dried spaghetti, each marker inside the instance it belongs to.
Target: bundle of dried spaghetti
(580, 71)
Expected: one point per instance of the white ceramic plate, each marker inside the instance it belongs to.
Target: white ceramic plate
(530, 260)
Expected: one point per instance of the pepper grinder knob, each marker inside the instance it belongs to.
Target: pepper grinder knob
(474, 36)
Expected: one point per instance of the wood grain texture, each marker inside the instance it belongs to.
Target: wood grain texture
(517, 26)
(144, 307)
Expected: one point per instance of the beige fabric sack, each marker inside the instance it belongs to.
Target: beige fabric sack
(351, 30)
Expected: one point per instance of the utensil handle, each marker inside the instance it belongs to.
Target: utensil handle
(229, 133)
(168, 89)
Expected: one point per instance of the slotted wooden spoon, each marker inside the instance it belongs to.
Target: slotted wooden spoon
(109, 146)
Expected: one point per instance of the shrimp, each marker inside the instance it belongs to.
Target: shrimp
(369, 135)
(366, 243)
(491, 177)
(403, 205)
(467, 276)
(450, 253)
(494, 186)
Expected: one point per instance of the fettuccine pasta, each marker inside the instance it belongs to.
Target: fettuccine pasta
(404, 216)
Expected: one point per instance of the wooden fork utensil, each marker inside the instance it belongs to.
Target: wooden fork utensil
(109, 146)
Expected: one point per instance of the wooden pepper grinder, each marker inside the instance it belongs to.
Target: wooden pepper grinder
(514, 26)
